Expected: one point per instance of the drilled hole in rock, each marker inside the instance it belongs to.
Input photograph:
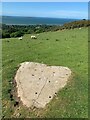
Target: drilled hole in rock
(49, 96)
(35, 92)
(55, 93)
(32, 74)
(39, 78)
(49, 81)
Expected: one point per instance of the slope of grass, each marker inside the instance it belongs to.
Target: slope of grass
(65, 48)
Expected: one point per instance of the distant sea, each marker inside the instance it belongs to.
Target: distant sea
(13, 20)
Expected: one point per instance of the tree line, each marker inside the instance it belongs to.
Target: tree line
(8, 31)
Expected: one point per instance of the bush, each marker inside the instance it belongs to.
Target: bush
(5, 35)
(16, 34)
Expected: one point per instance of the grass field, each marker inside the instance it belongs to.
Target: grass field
(64, 48)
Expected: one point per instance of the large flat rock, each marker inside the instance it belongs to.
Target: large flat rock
(38, 83)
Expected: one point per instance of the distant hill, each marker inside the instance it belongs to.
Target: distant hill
(75, 24)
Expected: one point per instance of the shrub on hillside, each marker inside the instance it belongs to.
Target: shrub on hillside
(5, 34)
(16, 34)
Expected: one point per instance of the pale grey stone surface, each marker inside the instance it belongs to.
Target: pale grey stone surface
(38, 83)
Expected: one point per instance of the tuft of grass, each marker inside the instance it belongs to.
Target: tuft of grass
(57, 39)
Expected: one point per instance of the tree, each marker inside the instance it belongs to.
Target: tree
(16, 34)
(5, 34)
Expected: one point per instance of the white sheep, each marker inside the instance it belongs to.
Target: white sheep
(20, 38)
(33, 37)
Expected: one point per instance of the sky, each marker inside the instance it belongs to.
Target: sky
(77, 10)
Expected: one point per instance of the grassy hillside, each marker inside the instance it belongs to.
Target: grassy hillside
(65, 48)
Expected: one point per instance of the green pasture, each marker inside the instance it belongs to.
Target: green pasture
(61, 48)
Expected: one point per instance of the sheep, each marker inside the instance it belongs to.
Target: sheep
(33, 37)
(20, 38)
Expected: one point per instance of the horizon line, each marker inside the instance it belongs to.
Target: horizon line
(42, 17)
